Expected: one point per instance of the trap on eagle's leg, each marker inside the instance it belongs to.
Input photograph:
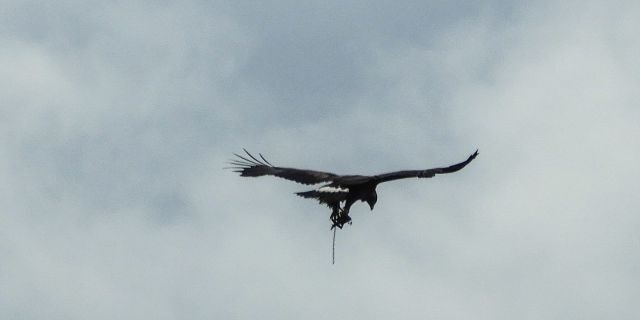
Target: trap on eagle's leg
(339, 217)
(333, 248)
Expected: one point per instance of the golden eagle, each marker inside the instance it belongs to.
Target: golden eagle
(338, 189)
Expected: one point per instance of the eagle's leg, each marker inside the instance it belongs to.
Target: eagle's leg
(339, 216)
(343, 218)
(335, 214)
(340, 219)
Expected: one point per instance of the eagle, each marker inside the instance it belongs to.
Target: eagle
(339, 192)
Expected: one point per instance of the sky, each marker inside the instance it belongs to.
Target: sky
(117, 118)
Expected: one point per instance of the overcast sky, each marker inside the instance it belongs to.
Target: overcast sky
(116, 119)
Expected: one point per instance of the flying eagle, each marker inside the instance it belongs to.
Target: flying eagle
(338, 189)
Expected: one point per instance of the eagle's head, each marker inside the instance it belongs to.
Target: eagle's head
(371, 199)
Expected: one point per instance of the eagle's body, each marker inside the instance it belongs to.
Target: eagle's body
(338, 192)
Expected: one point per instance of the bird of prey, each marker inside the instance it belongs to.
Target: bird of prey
(339, 192)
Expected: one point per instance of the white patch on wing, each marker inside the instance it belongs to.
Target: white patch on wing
(333, 189)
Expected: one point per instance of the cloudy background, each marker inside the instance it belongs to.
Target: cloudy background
(116, 119)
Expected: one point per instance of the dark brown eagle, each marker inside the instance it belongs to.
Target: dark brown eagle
(337, 190)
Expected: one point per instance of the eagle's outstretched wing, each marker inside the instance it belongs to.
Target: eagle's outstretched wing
(423, 173)
(250, 166)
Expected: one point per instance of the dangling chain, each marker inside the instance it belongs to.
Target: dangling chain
(333, 248)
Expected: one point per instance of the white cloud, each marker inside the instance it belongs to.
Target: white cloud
(118, 118)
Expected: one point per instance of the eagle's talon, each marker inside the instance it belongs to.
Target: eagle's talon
(341, 220)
